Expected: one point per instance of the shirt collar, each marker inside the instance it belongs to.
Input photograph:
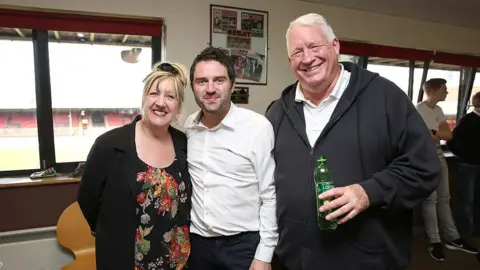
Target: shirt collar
(228, 120)
(336, 92)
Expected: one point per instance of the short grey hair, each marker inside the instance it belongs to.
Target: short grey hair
(311, 19)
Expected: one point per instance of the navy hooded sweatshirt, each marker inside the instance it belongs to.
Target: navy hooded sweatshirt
(376, 138)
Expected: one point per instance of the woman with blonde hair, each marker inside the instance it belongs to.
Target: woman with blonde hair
(135, 190)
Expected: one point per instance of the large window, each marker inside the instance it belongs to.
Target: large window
(75, 82)
(18, 121)
(410, 68)
(452, 75)
(394, 70)
(94, 88)
(398, 71)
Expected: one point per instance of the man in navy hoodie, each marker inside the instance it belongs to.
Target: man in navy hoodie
(376, 144)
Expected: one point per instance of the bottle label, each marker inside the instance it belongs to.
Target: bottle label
(323, 224)
(322, 187)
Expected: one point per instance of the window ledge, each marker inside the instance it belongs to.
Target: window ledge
(25, 181)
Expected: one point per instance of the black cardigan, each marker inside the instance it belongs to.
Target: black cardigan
(107, 193)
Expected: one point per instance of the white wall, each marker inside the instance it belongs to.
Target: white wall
(187, 33)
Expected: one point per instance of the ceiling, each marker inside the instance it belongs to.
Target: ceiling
(74, 37)
(145, 41)
(451, 12)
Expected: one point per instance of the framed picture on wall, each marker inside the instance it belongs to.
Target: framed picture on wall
(240, 95)
(243, 34)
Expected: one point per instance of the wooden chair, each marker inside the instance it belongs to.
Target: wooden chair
(74, 234)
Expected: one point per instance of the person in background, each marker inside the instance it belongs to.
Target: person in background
(229, 156)
(377, 149)
(437, 205)
(84, 121)
(135, 190)
(466, 146)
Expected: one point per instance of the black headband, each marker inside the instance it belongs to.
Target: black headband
(168, 68)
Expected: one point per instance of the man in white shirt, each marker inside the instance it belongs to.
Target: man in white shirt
(438, 203)
(234, 225)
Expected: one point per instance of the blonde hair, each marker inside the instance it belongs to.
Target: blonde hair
(311, 19)
(178, 78)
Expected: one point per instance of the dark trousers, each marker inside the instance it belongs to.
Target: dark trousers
(234, 252)
(468, 198)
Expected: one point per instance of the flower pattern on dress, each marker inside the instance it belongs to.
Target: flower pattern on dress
(160, 199)
(179, 245)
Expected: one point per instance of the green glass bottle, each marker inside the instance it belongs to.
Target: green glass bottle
(323, 182)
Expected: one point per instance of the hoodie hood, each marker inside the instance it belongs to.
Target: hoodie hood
(359, 80)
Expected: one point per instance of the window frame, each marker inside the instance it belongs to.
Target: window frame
(40, 22)
(470, 63)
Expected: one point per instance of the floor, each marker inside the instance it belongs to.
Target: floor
(454, 260)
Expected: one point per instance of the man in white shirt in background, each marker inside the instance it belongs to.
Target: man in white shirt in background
(438, 203)
(233, 217)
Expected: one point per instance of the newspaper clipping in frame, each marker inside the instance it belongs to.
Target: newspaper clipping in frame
(253, 23)
(248, 65)
(224, 20)
(239, 39)
(243, 35)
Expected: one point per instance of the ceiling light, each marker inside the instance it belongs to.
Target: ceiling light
(131, 56)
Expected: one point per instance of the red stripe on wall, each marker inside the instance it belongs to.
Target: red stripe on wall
(355, 48)
(457, 59)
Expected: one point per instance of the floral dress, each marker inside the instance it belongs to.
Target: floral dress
(162, 236)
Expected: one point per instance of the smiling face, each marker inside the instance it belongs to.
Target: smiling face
(160, 103)
(212, 87)
(313, 59)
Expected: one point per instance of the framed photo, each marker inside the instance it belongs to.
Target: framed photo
(243, 34)
(240, 95)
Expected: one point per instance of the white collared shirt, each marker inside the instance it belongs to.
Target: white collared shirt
(317, 117)
(231, 167)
